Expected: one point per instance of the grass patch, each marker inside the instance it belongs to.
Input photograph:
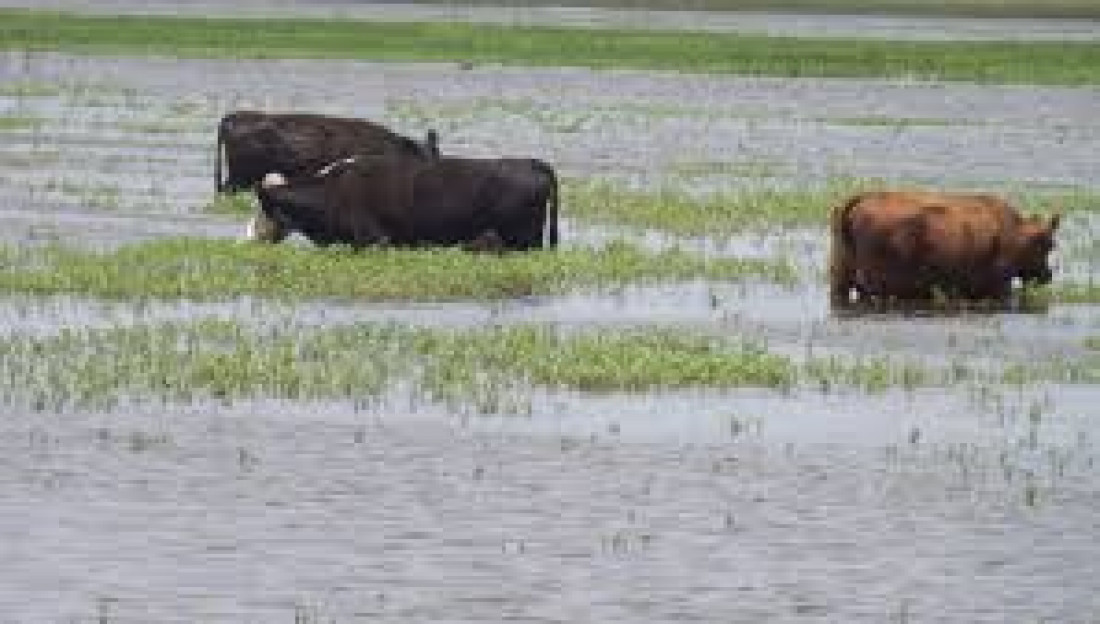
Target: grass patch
(893, 122)
(219, 359)
(10, 123)
(972, 8)
(154, 127)
(677, 211)
(758, 168)
(1076, 292)
(993, 62)
(211, 269)
(29, 88)
(491, 370)
(99, 196)
(242, 203)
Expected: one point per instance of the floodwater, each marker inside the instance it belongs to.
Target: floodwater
(976, 503)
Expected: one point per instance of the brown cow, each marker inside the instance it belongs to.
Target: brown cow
(915, 245)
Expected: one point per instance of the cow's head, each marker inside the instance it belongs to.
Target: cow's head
(1035, 241)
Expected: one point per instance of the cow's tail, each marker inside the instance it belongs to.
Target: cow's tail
(219, 159)
(551, 236)
(841, 271)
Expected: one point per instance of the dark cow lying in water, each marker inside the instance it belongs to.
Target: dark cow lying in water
(503, 203)
(252, 144)
(919, 245)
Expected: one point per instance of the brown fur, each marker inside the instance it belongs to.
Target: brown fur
(912, 245)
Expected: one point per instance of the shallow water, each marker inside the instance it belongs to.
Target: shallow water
(253, 512)
(973, 503)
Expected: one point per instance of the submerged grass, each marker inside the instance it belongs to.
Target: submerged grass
(209, 269)
(489, 370)
(995, 62)
(220, 359)
(19, 122)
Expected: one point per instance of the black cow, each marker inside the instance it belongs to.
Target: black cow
(506, 203)
(251, 144)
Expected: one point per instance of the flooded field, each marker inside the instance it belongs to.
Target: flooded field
(911, 468)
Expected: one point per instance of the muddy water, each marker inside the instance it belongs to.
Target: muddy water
(975, 503)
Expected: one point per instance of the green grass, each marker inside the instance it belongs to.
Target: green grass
(29, 88)
(894, 122)
(212, 269)
(492, 370)
(993, 62)
(976, 8)
(19, 122)
(242, 203)
(1076, 292)
(674, 210)
(219, 359)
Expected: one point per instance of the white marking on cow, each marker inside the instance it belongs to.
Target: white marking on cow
(250, 230)
(327, 169)
(273, 179)
(223, 163)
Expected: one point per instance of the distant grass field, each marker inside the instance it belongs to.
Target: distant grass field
(969, 8)
(990, 62)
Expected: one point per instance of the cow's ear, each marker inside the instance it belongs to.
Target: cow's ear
(1055, 220)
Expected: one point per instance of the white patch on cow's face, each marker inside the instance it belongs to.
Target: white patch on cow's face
(327, 169)
(273, 180)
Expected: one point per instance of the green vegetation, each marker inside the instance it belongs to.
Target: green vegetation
(243, 203)
(206, 269)
(1076, 292)
(27, 88)
(217, 359)
(19, 122)
(995, 62)
(490, 370)
(674, 210)
(976, 8)
(155, 127)
(677, 211)
(893, 122)
(100, 196)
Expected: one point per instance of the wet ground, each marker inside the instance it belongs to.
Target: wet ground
(967, 504)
